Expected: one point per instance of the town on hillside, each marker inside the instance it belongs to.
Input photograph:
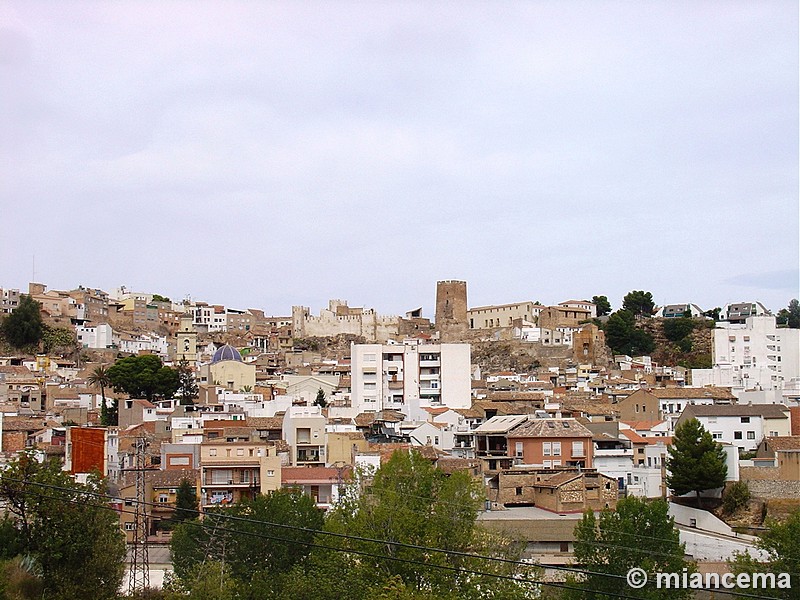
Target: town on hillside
(551, 412)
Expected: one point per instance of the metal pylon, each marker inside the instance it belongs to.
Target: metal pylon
(139, 577)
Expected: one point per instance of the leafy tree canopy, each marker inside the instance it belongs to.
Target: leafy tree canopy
(623, 337)
(602, 304)
(24, 327)
(143, 377)
(790, 316)
(160, 298)
(245, 545)
(677, 329)
(71, 535)
(412, 502)
(639, 303)
(696, 462)
(639, 533)
(320, 399)
(781, 542)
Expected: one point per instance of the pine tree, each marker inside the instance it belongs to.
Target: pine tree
(696, 462)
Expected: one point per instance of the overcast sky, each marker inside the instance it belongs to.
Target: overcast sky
(266, 154)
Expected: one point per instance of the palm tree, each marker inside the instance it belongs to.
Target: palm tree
(100, 377)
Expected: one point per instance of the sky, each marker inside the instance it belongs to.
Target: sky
(270, 154)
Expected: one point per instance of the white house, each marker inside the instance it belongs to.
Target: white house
(741, 426)
(97, 337)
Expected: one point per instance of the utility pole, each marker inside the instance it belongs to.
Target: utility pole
(139, 578)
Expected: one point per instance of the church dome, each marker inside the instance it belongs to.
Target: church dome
(227, 352)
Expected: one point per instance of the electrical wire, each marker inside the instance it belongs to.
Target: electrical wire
(357, 538)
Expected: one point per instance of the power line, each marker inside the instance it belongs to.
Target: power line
(362, 539)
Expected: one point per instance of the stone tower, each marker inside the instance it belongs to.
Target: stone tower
(186, 341)
(451, 309)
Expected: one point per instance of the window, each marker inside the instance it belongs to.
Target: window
(212, 452)
(548, 464)
(163, 498)
(546, 449)
(556, 463)
(751, 435)
(577, 449)
(130, 526)
(737, 435)
(518, 491)
(717, 435)
(556, 448)
(745, 419)
(270, 472)
(518, 449)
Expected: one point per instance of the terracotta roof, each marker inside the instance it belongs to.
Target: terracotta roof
(16, 371)
(30, 424)
(172, 477)
(291, 475)
(438, 410)
(469, 413)
(452, 464)
(684, 393)
(633, 436)
(508, 396)
(784, 442)
(265, 422)
(552, 428)
(557, 479)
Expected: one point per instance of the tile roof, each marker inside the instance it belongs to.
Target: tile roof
(685, 393)
(561, 428)
(275, 422)
(642, 425)
(784, 442)
(291, 475)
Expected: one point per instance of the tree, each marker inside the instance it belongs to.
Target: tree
(244, 544)
(143, 377)
(66, 528)
(639, 303)
(185, 502)
(602, 304)
(677, 329)
(410, 501)
(696, 462)
(54, 338)
(24, 327)
(187, 384)
(623, 337)
(781, 543)
(639, 533)
(713, 313)
(160, 298)
(320, 399)
(99, 377)
(790, 317)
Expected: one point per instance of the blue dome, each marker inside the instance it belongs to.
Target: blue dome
(227, 352)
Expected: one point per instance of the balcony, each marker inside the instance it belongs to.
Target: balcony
(429, 363)
(307, 455)
(394, 385)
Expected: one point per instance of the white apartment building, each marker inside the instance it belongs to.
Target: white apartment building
(98, 337)
(756, 354)
(410, 377)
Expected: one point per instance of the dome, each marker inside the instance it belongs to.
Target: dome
(227, 352)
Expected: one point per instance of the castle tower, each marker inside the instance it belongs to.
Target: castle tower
(451, 309)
